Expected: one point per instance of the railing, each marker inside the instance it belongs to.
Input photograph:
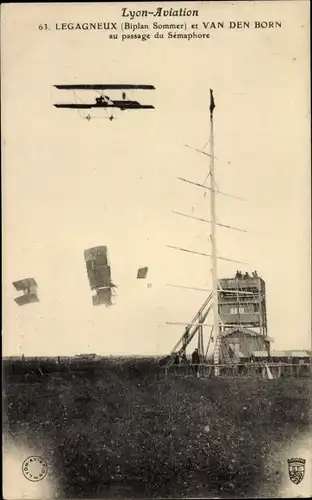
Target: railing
(241, 370)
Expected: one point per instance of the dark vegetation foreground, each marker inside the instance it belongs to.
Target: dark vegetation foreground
(121, 429)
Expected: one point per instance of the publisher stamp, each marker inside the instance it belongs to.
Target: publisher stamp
(34, 468)
(296, 469)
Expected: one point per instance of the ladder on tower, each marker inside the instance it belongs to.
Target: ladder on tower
(221, 350)
(216, 352)
(190, 330)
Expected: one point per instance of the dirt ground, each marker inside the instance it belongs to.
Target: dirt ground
(121, 429)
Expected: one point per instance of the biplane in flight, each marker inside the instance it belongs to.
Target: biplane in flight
(104, 101)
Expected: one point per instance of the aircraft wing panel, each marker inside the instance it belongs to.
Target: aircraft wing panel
(142, 272)
(26, 299)
(74, 106)
(25, 283)
(116, 104)
(96, 253)
(142, 106)
(104, 87)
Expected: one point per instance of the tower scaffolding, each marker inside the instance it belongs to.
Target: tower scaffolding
(212, 302)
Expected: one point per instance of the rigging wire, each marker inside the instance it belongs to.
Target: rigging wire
(203, 254)
(206, 187)
(88, 116)
(205, 145)
(77, 98)
(209, 222)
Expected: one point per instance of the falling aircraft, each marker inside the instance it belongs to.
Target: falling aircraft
(99, 274)
(28, 287)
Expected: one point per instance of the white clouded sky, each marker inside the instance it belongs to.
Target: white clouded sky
(70, 184)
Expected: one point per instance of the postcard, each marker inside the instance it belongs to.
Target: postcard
(156, 248)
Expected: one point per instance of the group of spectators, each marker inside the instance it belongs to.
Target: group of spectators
(239, 275)
(180, 358)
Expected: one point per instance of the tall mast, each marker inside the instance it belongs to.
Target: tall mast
(212, 301)
(216, 331)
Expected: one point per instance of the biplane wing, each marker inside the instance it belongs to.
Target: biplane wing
(27, 298)
(74, 106)
(113, 104)
(103, 297)
(104, 87)
(97, 253)
(22, 285)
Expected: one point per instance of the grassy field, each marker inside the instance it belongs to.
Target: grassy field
(123, 429)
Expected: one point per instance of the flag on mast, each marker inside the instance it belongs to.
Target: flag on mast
(212, 102)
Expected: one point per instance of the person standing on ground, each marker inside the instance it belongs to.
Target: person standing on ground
(195, 361)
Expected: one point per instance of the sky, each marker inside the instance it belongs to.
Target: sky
(71, 184)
